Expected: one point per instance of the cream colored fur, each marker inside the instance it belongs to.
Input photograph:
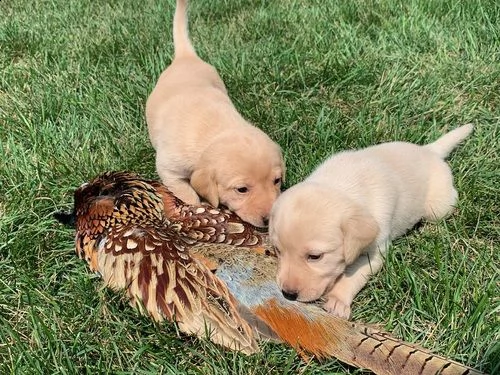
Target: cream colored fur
(333, 229)
(204, 147)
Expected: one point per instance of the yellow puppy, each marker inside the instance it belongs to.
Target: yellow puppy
(332, 230)
(204, 147)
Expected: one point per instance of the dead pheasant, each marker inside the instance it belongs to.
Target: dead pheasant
(213, 275)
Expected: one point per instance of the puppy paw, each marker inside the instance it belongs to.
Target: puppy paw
(338, 308)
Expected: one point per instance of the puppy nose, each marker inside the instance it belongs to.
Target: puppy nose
(265, 220)
(292, 296)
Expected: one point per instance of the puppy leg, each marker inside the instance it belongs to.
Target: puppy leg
(441, 196)
(179, 186)
(181, 189)
(170, 172)
(355, 277)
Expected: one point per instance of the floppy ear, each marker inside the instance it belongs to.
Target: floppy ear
(359, 230)
(283, 167)
(203, 182)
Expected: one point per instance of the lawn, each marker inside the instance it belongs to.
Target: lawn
(319, 77)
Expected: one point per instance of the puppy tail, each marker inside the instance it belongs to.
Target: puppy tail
(182, 43)
(445, 144)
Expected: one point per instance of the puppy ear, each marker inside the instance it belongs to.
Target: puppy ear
(203, 182)
(283, 168)
(359, 230)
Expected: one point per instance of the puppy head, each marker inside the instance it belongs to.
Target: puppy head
(242, 172)
(317, 233)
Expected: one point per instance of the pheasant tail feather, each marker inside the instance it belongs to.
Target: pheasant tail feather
(326, 336)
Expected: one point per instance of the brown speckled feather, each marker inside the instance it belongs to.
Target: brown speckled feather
(206, 223)
(124, 235)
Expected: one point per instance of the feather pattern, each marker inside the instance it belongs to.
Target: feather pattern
(124, 235)
(213, 275)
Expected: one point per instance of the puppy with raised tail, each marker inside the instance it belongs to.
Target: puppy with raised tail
(331, 230)
(204, 147)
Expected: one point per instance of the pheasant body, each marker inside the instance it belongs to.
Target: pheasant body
(213, 275)
(122, 231)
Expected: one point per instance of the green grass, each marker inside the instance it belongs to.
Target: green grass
(319, 77)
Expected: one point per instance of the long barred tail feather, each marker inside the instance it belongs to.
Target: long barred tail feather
(325, 336)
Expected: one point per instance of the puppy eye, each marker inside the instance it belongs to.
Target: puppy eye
(314, 257)
(242, 190)
(277, 180)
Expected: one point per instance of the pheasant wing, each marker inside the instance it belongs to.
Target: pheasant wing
(205, 223)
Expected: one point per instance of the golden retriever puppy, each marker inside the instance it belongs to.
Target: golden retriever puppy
(204, 147)
(331, 230)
